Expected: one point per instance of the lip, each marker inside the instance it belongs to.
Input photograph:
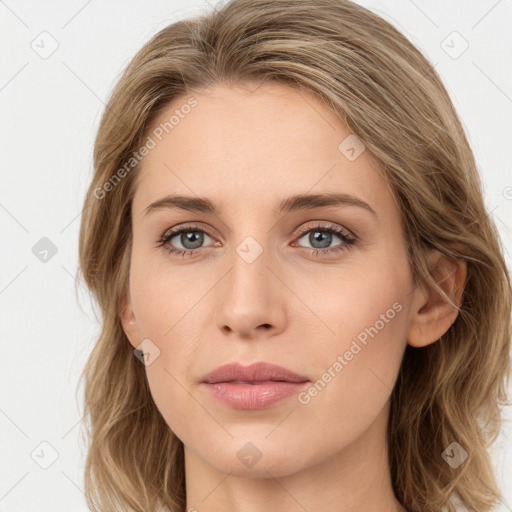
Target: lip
(256, 372)
(255, 386)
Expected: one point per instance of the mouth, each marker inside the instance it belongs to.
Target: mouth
(253, 387)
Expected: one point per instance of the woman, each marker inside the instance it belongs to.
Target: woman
(305, 304)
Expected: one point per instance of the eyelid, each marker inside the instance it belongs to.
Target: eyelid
(328, 226)
(186, 227)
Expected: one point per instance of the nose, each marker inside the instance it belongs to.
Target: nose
(251, 297)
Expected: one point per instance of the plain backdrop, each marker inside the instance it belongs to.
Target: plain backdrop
(59, 63)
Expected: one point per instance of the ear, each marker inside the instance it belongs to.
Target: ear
(432, 314)
(128, 321)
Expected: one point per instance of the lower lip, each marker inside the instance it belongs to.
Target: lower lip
(253, 396)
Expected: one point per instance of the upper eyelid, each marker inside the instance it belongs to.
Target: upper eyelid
(326, 225)
(187, 227)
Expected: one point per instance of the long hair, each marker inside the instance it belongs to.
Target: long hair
(391, 97)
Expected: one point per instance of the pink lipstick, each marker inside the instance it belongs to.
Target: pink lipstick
(255, 386)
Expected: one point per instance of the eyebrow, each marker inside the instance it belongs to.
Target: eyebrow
(297, 202)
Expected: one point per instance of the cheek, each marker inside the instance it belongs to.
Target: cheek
(164, 298)
(363, 301)
(164, 321)
(167, 388)
(165, 303)
(364, 313)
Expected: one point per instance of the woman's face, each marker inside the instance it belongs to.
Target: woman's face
(320, 287)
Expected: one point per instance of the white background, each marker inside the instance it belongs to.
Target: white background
(50, 109)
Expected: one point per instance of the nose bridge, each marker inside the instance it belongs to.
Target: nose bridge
(250, 297)
(249, 275)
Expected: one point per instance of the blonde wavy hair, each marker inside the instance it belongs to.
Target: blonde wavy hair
(391, 97)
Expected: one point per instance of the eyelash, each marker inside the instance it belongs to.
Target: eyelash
(347, 240)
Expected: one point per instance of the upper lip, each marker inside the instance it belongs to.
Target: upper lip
(256, 372)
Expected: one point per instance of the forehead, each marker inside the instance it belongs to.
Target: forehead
(251, 142)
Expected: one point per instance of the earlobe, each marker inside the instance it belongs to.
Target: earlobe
(432, 313)
(128, 320)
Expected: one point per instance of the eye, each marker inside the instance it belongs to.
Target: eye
(321, 236)
(191, 239)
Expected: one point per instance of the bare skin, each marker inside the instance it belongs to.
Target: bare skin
(246, 148)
